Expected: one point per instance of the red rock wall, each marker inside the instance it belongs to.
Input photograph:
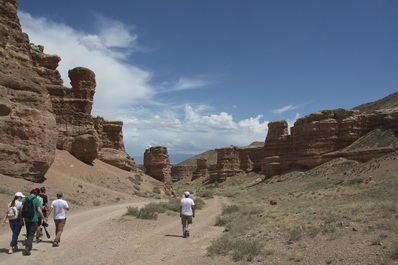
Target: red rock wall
(157, 164)
(28, 132)
(111, 144)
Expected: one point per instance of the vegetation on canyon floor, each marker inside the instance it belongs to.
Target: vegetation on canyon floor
(332, 214)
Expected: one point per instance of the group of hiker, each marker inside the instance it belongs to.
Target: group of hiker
(33, 212)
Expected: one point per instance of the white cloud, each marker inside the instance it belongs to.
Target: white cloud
(124, 89)
(118, 84)
(188, 83)
(187, 130)
(114, 33)
(285, 108)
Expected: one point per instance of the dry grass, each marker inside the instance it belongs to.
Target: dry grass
(318, 219)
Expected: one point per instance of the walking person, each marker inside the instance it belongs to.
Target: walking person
(13, 215)
(44, 201)
(30, 212)
(40, 222)
(59, 206)
(187, 212)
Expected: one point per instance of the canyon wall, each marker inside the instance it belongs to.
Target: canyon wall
(38, 114)
(28, 133)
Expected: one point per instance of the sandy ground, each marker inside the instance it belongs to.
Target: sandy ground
(102, 235)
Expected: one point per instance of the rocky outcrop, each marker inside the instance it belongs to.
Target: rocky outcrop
(157, 164)
(182, 173)
(201, 170)
(314, 140)
(111, 144)
(228, 163)
(321, 136)
(72, 107)
(28, 132)
(38, 114)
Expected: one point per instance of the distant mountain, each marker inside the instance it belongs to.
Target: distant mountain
(388, 102)
(211, 156)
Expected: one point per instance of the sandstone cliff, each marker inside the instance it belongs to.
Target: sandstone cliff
(38, 114)
(111, 144)
(28, 131)
(157, 164)
(315, 139)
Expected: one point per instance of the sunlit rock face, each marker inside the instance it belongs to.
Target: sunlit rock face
(157, 164)
(28, 132)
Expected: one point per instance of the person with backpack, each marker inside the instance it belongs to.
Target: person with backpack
(59, 206)
(43, 200)
(13, 215)
(30, 212)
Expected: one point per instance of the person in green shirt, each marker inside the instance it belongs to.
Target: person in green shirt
(32, 223)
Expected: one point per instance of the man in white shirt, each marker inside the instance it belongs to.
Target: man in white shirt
(59, 206)
(187, 212)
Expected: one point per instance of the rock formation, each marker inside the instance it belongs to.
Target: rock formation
(182, 173)
(38, 114)
(320, 137)
(314, 139)
(72, 107)
(28, 132)
(111, 144)
(157, 164)
(201, 170)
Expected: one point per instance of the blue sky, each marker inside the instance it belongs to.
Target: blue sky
(197, 75)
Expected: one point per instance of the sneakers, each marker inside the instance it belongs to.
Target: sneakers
(55, 244)
(26, 252)
(38, 240)
(186, 234)
(10, 251)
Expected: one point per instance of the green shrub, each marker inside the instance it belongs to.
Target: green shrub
(240, 249)
(246, 250)
(199, 203)
(172, 205)
(294, 234)
(205, 194)
(155, 207)
(147, 213)
(212, 186)
(223, 220)
(133, 211)
(230, 209)
(221, 246)
(156, 190)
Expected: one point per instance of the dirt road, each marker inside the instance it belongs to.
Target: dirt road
(102, 235)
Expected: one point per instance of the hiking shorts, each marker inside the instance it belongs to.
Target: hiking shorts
(186, 219)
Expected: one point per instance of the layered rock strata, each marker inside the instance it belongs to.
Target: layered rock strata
(157, 164)
(28, 132)
(318, 137)
(111, 144)
(182, 173)
(72, 107)
(202, 170)
(38, 114)
(314, 140)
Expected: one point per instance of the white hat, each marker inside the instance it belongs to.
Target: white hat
(19, 194)
(186, 193)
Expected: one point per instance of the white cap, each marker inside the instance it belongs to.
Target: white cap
(19, 194)
(186, 193)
